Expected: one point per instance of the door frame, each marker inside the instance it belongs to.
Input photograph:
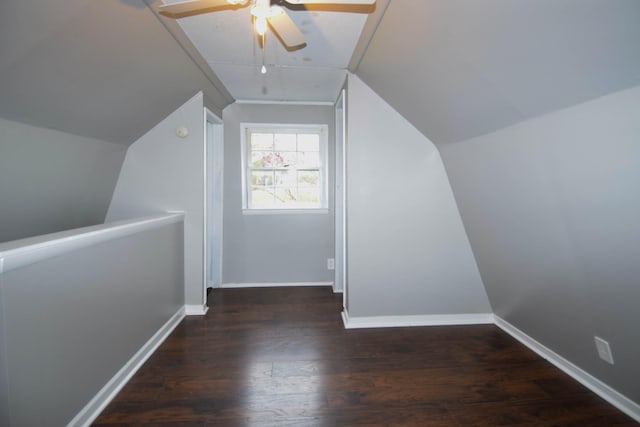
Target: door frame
(340, 220)
(214, 179)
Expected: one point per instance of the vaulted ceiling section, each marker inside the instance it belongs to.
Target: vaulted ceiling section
(457, 69)
(102, 69)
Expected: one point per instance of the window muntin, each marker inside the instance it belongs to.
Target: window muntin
(284, 167)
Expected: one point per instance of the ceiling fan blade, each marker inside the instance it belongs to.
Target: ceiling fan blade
(194, 7)
(287, 31)
(355, 6)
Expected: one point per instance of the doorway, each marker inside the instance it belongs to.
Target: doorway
(340, 273)
(214, 158)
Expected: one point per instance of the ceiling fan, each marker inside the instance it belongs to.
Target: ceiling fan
(268, 13)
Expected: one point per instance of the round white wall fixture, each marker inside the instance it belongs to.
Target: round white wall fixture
(182, 131)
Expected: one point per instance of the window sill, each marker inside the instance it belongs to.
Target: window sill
(321, 211)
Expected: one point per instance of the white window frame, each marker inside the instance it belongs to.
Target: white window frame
(323, 131)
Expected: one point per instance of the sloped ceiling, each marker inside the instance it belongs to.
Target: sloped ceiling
(454, 68)
(457, 69)
(102, 69)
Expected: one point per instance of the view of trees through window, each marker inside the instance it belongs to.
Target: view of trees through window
(285, 170)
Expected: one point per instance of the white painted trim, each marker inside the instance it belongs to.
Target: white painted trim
(214, 134)
(205, 202)
(254, 211)
(415, 320)
(340, 201)
(265, 102)
(196, 309)
(274, 285)
(20, 253)
(612, 396)
(95, 406)
(345, 318)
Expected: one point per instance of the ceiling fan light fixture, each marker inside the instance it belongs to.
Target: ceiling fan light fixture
(264, 10)
(261, 25)
(265, 15)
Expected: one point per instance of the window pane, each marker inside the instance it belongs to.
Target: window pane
(308, 178)
(284, 159)
(285, 168)
(309, 196)
(286, 178)
(261, 196)
(285, 142)
(261, 159)
(262, 178)
(308, 142)
(286, 195)
(261, 141)
(308, 159)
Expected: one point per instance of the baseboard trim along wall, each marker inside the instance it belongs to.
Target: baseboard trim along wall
(195, 310)
(96, 405)
(274, 285)
(615, 398)
(415, 320)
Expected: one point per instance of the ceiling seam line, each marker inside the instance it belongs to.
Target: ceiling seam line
(373, 33)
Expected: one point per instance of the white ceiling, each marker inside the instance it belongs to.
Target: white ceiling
(314, 73)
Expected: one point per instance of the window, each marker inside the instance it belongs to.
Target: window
(284, 167)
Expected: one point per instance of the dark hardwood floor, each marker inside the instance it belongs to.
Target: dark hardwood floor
(280, 357)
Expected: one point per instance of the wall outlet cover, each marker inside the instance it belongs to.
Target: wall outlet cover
(604, 350)
(331, 264)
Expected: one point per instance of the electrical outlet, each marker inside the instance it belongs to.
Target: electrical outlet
(331, 264)
(604, 351)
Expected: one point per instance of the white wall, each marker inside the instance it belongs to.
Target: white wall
(408, 253)
(52, 181)
(552, 208)
(273, 248)
(163, 172)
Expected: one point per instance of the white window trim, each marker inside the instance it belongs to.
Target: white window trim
(323, 129)
(258, 211)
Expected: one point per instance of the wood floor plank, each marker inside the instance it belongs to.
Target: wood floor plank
(281, 357)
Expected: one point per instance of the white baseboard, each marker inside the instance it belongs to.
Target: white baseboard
(195, 310)
(273, 285)
(95, 406)
(416, 320)
(615, 398)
